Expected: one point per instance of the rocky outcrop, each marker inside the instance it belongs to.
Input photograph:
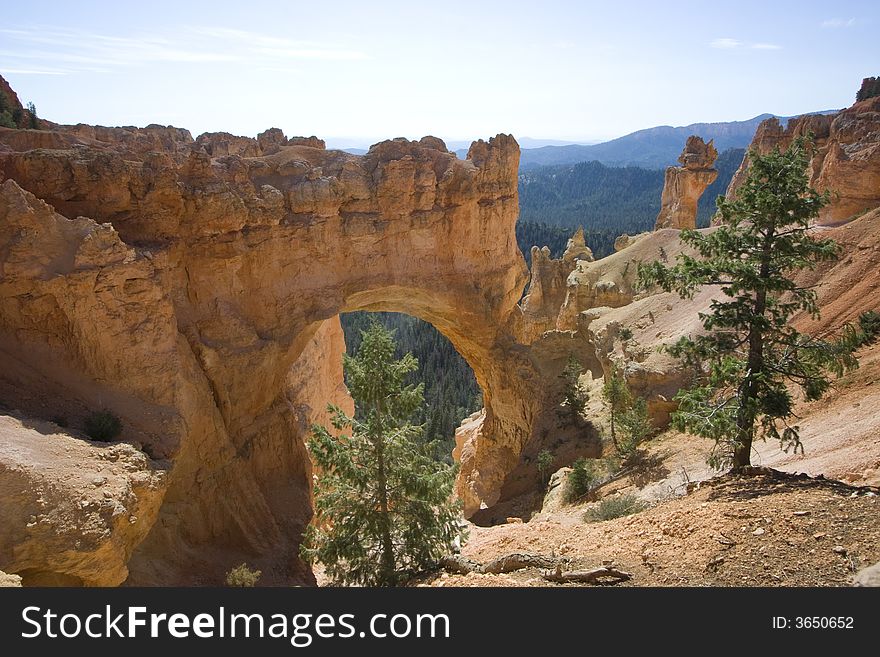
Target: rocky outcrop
(869, 576)
(683, 186)
(623, 241)
(10, 102)
(555, 498)
(547, 285)
(11, 97)
(72, 510)
(9, 581)
(272, 140)
(610, 281)
(193, 290)
(218, 144)
(845, 160)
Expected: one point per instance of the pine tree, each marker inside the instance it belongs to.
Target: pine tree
(635, 427)
(33, 122)
(574, 398)
(618, 398)
(383, 504)
(750, 350)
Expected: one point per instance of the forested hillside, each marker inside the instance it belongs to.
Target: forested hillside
(532, 233)
(606, 201)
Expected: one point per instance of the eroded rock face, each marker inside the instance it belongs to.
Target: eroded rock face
(845, 162)
(683, 186)
(193, 288)
(547, 285)
(72, 510)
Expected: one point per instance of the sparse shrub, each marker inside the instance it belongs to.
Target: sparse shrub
(611, 464)
(626, 333)
(615, 507)
(243, 576)
(635, 427)
(869, 323)
(545, 462)
(103, 426)
(581, 480)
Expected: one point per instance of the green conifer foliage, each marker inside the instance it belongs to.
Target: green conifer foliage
(384, 504)
(750, 354)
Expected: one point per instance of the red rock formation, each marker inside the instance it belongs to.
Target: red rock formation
(845, 162)
(683, 186)
(548, 284)
(14, 105)
(190, 293)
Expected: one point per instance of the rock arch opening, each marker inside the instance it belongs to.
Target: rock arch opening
(451, 392)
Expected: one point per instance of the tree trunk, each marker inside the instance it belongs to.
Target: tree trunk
(387, 569)
(613, 433)
(745, 421)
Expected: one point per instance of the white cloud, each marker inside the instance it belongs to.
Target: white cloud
(838, 22)
(312, 53)
(35, 71)
(726, 43)
(80, 51)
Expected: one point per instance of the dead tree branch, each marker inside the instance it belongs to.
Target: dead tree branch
(602, 575)
(456, 563)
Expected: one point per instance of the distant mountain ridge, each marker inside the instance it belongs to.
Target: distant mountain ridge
(651, 148)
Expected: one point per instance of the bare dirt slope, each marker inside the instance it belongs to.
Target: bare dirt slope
(760, 530)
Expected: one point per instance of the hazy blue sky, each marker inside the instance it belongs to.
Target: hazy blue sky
(376, 69)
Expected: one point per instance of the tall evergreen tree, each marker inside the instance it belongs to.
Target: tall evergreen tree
(383, 504)
(574, 397)
(750, 350)
(33, 122)
(618, 398)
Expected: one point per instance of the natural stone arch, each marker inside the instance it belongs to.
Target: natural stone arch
(241, 263)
